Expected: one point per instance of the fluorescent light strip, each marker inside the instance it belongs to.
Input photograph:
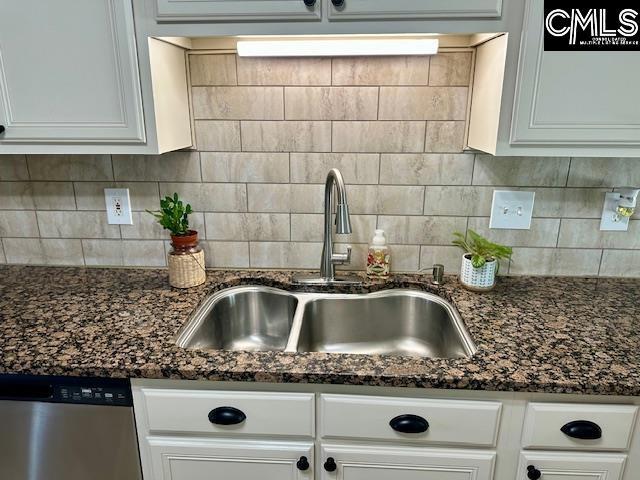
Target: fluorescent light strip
(337, 48)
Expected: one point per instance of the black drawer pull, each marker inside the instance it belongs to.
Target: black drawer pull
(309, 3)
(226, 416)
(533, 473)
(330, 465)
(303, 463)
(337, 3)
(409, 424)
(1, 129)
(582, 429)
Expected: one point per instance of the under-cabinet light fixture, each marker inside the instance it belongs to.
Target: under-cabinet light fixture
(337, 48)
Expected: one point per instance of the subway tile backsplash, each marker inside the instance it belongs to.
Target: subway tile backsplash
(268, 131)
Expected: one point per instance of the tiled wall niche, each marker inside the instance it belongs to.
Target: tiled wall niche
(267, 132)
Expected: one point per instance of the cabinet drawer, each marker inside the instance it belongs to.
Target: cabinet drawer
(571, 466)
(188, 411)
(450, 422)
(544, 421)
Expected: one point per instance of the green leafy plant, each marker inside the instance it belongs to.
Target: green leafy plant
(481, 249)
(173, 215)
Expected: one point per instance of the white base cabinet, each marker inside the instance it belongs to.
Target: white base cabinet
(205, 459)
(362, 462)
(571, 466)
(224, 430)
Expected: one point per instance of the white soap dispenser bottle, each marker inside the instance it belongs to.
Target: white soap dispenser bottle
(378, 256)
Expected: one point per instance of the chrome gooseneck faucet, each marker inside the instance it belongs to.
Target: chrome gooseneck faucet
(330, 259)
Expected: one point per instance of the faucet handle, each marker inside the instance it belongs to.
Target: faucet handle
(342, 258)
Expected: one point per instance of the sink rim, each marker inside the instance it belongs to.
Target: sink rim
(198, 316)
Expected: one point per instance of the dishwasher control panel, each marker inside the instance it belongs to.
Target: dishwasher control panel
(59, 389)
(91, 395)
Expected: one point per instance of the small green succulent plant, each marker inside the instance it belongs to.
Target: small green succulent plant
(480, 249)
(173, 215)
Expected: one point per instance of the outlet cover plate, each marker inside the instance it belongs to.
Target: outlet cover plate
(118, 206)
(511, 210)
(610, 221)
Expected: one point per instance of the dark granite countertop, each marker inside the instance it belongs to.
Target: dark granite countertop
(534, 334)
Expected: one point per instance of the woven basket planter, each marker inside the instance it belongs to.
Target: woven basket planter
(478, 279)
(186, 261)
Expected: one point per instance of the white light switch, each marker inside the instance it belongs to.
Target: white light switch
(511, 210)
(118, 206)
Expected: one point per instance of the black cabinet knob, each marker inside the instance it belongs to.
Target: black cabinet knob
(330, 465)
(303, 464)
(309, 3)
(582, 429)
(2, 129)
(533, 473)
(338, 3)
(226, 416)
(409, 424)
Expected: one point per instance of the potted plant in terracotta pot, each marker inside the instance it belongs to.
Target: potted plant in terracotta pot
(186, 258)
(481, 260)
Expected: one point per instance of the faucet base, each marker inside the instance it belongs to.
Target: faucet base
(318, 280)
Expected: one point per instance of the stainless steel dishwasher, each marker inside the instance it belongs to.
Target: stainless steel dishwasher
(67, 428)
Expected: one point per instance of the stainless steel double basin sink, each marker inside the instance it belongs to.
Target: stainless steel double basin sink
(391, 322)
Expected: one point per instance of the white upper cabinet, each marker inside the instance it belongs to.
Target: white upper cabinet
(573, 99)
(239, 11)
(412, 9)
(69, 73)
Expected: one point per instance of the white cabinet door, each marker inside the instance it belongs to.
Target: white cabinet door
(570, 466)
(404, 463)
(414, 9)
(236, 10)
(585, 98)
(204, 459)
(69, 73)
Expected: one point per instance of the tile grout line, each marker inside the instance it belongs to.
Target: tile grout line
(600, 262)
(26, 164)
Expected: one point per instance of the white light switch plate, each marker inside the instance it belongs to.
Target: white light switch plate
(511, 210)
(118, 206)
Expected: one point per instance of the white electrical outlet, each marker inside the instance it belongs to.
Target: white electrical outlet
(511, 210)
(118, 206)
(610, 220)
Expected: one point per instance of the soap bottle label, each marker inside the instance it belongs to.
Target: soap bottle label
(378, 263)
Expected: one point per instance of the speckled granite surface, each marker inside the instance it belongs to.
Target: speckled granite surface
(533, 334)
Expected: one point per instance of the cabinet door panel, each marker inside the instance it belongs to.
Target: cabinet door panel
(193, 459)
(237, 10)
(572, 466)
(412, 9)
(573, 98)
(68, 72)
(406, 463)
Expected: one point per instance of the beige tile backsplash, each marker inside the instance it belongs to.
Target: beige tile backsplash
(268, 131)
